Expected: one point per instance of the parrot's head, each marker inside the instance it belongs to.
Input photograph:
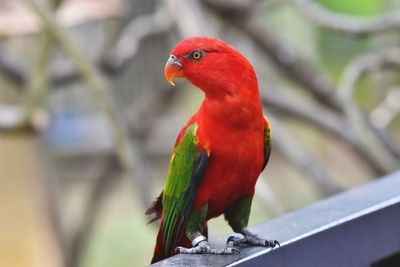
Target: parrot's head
(210, 64)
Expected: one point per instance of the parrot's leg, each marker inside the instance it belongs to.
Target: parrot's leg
(237, 215)
(194, 230)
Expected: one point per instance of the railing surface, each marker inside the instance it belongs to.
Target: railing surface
(356, 228)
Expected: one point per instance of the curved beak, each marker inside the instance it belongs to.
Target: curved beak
(173, 69)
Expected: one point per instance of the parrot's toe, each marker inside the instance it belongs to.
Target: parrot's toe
(235, 241)
(205, 248)
(251, 239)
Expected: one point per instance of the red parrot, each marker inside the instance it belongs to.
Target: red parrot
(219, 153)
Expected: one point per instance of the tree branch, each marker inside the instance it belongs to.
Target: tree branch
(291, 64)
(348, 24)
(100, 186)
(324, 120)
(190, 18)
(92, 78)
(20, 21)
(301, 158)
(388, 57)
(13, 71)
(117, 58)
(133, 34)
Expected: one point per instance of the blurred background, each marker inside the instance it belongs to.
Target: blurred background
(87, 121)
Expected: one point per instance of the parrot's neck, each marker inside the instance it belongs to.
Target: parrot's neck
(234, 110)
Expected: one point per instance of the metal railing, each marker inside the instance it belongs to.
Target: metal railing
(356, 228)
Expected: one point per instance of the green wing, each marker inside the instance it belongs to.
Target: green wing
(267, 142)
(185, 174)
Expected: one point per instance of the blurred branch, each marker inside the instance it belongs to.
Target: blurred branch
(128, 151)
(371, 140)
(301, 158)
(140, 120)
(101, 185)
(386, 111)
(18, 75)
(385, 58)
(22, 21)
(151, 105)
(388, 57)
(92, 78)
(22, 116)
(133, 34)
(268, 197)
(125, 150)
(13, 71)
(326, 120)
(291, 64)
(37, 88)
(125, 49)
(38, 84)
(190, 18)
(323, 119)
(348, 24)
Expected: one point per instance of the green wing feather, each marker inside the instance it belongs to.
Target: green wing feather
(185, 173)
(267, 142)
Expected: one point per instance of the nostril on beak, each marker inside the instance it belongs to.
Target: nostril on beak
(173, 68)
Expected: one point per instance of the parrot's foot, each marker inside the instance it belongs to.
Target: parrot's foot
(251, 239)
(205, 248)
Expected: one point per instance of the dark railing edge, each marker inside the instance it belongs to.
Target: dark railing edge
(337, 213)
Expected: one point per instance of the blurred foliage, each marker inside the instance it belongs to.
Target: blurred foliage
(356, 7)
(336, 50)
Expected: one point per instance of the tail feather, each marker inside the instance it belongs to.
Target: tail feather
(160, 252)
(159, 249)
(156, 209)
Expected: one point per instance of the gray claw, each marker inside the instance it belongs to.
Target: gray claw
(235, 251)
(272, 243)
(276, 243)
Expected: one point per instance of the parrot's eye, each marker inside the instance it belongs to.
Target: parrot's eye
(196, 55)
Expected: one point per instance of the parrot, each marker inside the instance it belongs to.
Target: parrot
(218, 154)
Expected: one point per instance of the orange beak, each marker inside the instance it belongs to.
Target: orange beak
(173, 69)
